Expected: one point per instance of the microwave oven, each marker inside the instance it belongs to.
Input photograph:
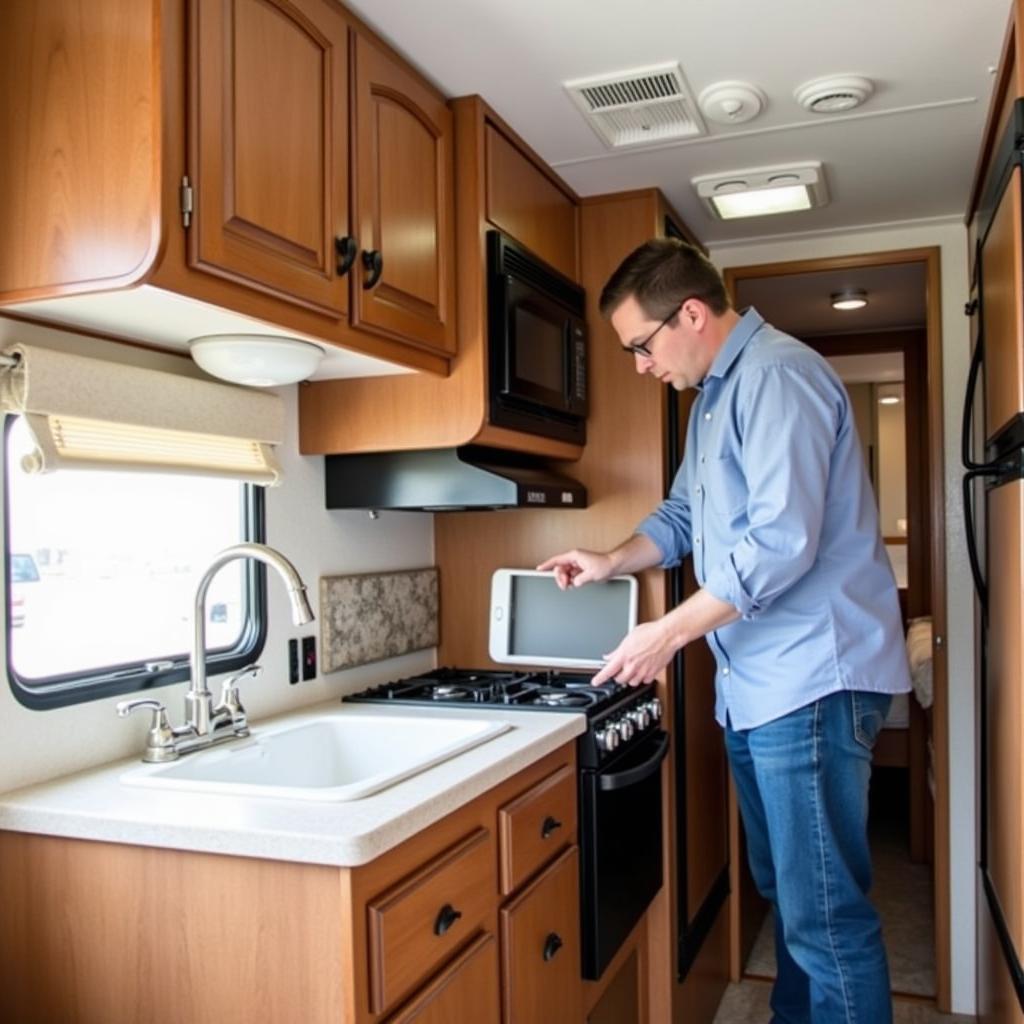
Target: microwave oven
(537, 344)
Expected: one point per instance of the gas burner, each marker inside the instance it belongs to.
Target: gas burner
(562, 699)
(448, 692)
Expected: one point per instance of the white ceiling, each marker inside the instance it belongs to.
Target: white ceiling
(908, 153)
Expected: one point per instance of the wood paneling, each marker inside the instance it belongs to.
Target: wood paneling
(79, 132)
(540, 947)
(524, 202)
(620, 1002)
(404, 195)
(269, 146)
(97, 932)
(1003, 299)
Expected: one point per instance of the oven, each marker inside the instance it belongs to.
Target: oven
(619, 783)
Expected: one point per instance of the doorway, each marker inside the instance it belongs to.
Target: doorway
(888, 349)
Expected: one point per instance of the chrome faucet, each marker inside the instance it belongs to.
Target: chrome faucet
(206, 723)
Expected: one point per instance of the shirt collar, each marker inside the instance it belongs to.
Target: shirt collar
(750, 322)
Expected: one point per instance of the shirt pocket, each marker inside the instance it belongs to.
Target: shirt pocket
(726, 487)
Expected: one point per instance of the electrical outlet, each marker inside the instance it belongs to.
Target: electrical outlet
(293, 661)
(309, 657)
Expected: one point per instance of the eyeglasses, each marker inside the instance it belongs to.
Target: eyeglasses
(642, 348)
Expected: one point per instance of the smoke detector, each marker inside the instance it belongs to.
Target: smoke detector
(732, 102)
(638, 107)
(834, 94)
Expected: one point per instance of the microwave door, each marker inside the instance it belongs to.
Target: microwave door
(537, 352)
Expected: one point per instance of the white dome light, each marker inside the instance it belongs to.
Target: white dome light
(257, 360)
(849, 298)
(835, 94)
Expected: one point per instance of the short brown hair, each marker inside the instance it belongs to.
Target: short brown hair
(660, 275)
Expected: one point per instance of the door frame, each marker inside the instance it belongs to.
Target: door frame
(935, 501)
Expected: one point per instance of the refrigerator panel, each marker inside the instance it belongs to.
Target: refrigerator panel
(1004, 706)
(1002, 268)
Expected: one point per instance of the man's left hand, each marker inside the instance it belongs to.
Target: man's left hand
(641, 656)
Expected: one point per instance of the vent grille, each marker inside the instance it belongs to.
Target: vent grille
(639, 107)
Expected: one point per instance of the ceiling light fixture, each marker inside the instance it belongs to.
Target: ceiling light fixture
(835, 94)
(763, 191)
(890, 394)
(849, 298)
(257, 360)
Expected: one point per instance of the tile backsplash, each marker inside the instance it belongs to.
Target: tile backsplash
(371, 616)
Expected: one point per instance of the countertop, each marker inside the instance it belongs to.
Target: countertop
(97, 805)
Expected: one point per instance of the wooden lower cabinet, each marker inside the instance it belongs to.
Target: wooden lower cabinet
(467, 990)
(107, 933)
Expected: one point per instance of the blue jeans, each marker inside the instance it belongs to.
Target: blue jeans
(802, 783)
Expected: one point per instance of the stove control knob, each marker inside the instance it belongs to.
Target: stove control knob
(607, 739)
(653, 708)
(625, 728)
(640, 717)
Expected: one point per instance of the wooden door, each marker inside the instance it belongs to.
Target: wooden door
(541, 948)
(268, 147)
(1003, 746)
(404, 198)
(1003, 312)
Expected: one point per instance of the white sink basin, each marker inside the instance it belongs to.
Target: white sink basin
(337, 757)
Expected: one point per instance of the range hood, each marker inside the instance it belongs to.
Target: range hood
(447, 479)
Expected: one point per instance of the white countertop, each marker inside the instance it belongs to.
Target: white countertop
(97, 805)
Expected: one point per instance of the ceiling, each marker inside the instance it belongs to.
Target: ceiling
(800, 303)
(908, 153)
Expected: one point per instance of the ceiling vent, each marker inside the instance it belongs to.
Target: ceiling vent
(638, 107)
(835, 94)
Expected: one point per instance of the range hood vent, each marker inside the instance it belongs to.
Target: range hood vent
(447, 479)
(639, 107)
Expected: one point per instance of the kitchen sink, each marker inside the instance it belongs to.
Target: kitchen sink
(332, 758)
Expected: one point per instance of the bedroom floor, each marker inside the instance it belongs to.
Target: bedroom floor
(903, 895)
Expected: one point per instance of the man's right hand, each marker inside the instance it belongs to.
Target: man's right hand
(577, 567)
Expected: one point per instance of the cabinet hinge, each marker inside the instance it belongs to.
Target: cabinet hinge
(186, 198)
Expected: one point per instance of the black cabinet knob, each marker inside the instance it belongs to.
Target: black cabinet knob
(550, 825)
(346, 249)
(373, 261)
(446, 917)
(552, 944)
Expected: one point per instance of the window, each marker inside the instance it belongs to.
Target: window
(102, 569)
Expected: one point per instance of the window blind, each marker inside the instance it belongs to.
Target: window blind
(91, 413)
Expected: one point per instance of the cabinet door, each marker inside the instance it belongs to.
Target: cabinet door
(541, 949)
(268, 147)
(468, 988)
(404, 200)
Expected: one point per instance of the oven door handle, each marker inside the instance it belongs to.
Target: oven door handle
(631, 776)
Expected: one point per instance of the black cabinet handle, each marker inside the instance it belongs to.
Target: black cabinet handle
(374, 264)
(549, 826)
(446, 917)
(552, 944)
(346, 249)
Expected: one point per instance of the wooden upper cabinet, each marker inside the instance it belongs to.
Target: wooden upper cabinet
(404, 203)
(268, 146)
(524, 202)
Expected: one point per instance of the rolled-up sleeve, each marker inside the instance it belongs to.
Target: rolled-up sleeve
(790, 418)
(670, 525)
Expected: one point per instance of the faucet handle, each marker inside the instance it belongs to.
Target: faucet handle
(160, 738)
(231, 702)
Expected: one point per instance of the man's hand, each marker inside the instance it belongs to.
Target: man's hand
(646, 650)
(577, 567)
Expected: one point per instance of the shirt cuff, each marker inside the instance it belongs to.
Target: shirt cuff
(661, 535)
(724, 583)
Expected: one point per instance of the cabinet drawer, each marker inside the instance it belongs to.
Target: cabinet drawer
(471, 981)
(535, 826)
(541, 951)
(425, 918)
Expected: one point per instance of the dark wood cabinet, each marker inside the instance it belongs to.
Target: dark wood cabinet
(269, 147)
(404, 281)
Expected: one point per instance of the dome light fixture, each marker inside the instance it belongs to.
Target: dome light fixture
(849, 298)
(256, 360)
(890, 394)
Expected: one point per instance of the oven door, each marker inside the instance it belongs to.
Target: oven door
(620, 846)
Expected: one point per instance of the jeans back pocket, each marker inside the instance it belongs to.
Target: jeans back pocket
(869, 711)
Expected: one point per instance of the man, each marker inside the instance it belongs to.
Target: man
(797, 600)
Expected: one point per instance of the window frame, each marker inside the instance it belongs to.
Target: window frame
(134, 677)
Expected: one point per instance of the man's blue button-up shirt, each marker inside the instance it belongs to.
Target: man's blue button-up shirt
(774, 501)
